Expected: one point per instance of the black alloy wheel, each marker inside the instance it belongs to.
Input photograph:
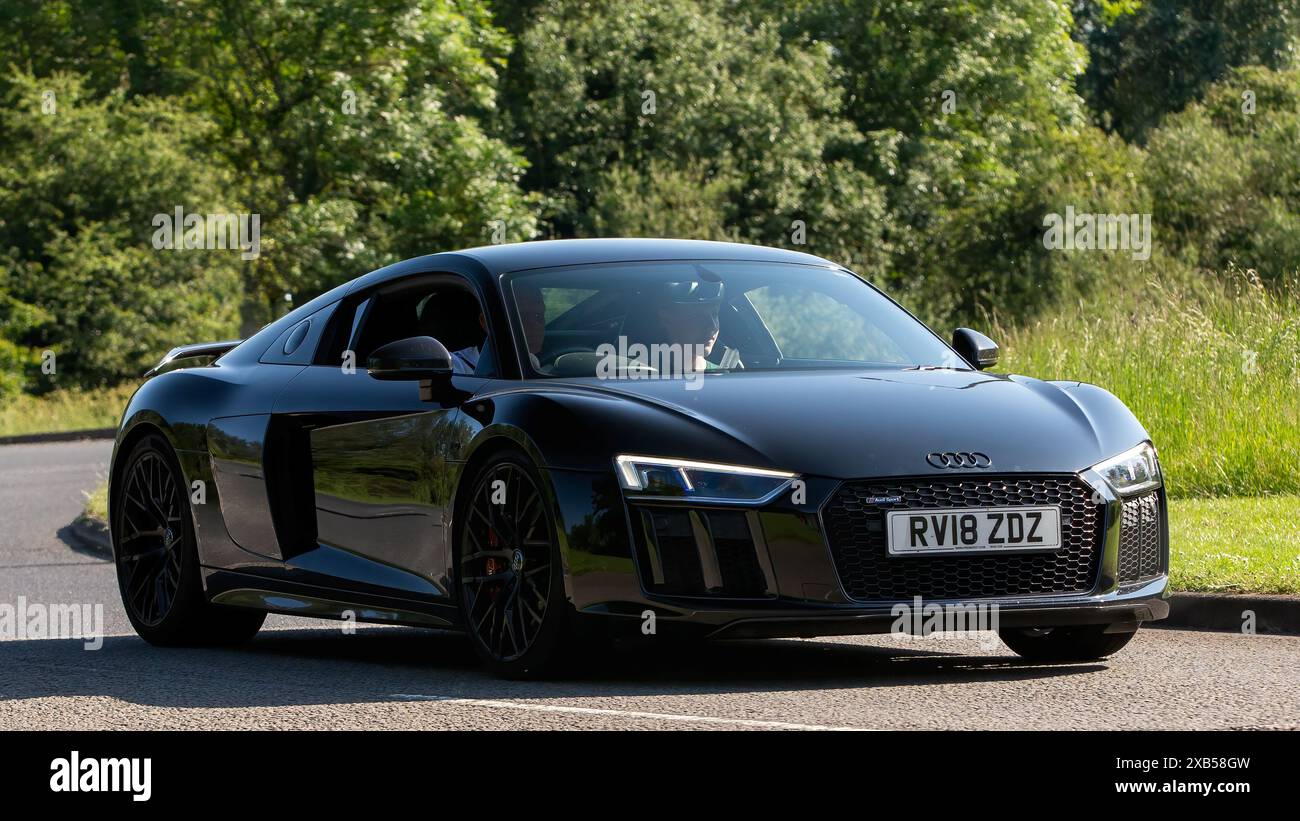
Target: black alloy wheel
(157, 560)
(150, 538)
(508, 570)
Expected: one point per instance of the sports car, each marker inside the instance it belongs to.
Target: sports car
(549, 445)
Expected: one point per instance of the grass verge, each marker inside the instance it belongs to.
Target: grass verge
(1247, 545)
(97, 504)
(64, 410)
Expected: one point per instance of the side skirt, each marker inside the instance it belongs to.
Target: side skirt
(235, 589)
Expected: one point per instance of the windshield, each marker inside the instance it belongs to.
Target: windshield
(680, 318)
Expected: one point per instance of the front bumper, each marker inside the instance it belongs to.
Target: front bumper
(792, 588)
(1120, 611)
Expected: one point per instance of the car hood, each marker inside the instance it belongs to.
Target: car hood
(848, 424)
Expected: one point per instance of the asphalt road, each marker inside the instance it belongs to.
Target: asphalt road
(302, 674)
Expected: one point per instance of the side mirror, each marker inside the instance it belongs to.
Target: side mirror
(976, 348)
(413, 358)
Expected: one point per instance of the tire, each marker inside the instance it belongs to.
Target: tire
(509, 576)
(156, 557)
(1088, 643)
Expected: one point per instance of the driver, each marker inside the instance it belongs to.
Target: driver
(688, 314)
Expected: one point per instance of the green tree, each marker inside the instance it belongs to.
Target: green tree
(620, 108)
(1155, 57)
(80, 184)
(354, 128)
(973, 130)
(138, 46)
(1225, 176)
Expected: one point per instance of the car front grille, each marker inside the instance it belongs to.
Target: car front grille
(854, 519)
(1139, 540)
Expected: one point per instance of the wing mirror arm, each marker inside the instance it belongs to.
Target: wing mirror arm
(442, 391)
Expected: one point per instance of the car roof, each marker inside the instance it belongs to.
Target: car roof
(519, 256)
(491, 261)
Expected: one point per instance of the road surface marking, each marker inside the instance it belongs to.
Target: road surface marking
(562, 708)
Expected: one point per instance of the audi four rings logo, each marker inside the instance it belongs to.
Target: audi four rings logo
(959, 460)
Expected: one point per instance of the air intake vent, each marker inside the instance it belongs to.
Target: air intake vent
(703, 552)
(1139, 540)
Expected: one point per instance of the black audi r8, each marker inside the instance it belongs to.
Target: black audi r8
(543, 443)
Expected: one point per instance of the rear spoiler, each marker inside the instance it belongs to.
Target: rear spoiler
(202, 349)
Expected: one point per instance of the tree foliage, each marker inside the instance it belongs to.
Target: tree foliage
(920, 143)
(1154, 57)
(1226, 183)
(619, 105)
(354, 130)
(78, 191)
(356, 127)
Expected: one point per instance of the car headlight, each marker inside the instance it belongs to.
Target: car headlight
(1133, 471)
(658, 477)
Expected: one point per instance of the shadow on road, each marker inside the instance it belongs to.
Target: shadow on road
(325, 666)
(86, 538)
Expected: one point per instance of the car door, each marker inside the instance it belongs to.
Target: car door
(374, 463)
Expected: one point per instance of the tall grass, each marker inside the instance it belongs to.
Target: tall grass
(1211, 368)
(65, 410)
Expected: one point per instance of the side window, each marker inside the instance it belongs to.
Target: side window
(808, 324)
(342, 335)
(388, 318)
(443, 308)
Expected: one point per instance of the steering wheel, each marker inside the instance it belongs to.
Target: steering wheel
(587, 363)
(552, 356)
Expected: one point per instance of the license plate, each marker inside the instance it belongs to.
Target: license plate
(974, 530)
